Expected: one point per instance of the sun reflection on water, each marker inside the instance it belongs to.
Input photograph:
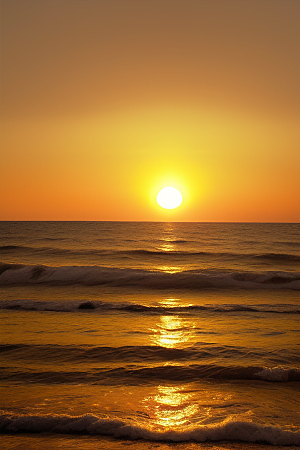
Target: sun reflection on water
(172, 407)
(172, 331)
(169, 269)
(167, 246)
(168, 238)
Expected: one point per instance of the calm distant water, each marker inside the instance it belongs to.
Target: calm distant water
(154, 331)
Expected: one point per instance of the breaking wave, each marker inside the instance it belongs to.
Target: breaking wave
(189, 279)
(92, 425)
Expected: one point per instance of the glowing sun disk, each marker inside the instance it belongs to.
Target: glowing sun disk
(169, 198)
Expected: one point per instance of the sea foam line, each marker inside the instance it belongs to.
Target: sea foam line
(93, 425)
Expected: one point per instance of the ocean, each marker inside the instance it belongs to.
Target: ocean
(149, 335)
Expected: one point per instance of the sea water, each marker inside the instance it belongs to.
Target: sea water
(149, 334)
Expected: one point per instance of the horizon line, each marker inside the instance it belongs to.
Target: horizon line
(146, 221)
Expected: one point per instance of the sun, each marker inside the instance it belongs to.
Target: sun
(169, 198)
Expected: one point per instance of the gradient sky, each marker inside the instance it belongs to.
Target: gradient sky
(105, 102)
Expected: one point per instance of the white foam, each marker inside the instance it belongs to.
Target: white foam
(274, 374)
(93, 425)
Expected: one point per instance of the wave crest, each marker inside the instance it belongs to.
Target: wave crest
(98, 306)
(144, 375)
(149, 254)
(190, 279)
(93, 425)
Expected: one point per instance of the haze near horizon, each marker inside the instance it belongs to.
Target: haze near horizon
(105, 103)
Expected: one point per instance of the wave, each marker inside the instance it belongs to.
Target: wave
(279, 257)
(278, 374)
(288, 243)
(92, 425)
(176, 241)
(272, 257)
(98, 306)
(190, 279)
(284, 257)
(136, 374)
(84, 354)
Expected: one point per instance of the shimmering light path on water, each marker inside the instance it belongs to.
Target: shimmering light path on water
(181, 332)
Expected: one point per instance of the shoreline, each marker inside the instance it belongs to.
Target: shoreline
(67, 442)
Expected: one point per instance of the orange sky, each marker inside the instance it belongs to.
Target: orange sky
(105, 102)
